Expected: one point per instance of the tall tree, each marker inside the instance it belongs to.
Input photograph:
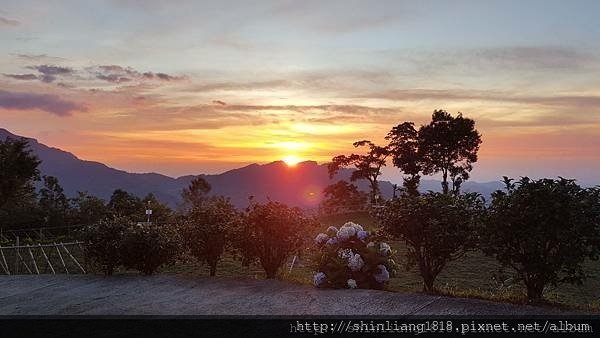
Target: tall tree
(124, 204)
(195, 193)
(88, 209)
(449, 145)
(367, 166)
(53, 202)
(404, 149)
(18, 168)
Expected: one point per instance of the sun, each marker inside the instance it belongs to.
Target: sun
(291, 160)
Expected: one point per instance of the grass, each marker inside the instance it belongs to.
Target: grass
(470, 276)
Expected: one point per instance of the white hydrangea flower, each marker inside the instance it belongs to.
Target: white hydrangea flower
(384, 249)
(345, 253)
(331, 241)
(382, 275)
(362, 235)
(333, 230)
(321, 239)
(346, 232)
(351, 284)
(370, 244)
(356, 226)
(319, 278)
(355, 263)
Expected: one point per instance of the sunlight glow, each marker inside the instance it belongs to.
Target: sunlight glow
(291, 160)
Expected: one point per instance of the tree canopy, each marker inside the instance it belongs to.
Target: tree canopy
(366, 166)
(449, 145)
(544, 230)
(18, 168)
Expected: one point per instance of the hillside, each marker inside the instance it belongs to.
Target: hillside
(301, 185)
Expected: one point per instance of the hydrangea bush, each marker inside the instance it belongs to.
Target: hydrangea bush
(350, 257)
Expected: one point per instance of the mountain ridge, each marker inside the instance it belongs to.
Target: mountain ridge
(300, 185)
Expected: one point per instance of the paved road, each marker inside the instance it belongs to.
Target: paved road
(187, 295)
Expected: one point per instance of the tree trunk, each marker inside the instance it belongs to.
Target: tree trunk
(535, 290)
(445, 182)
(213, 269)
(271, 273)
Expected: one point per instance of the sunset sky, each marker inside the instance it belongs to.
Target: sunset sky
(181, 87)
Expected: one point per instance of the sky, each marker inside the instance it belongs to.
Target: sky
(188, 87)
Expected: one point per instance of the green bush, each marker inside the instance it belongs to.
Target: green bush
(207, 230)
(437, 228)
(544, 230)
(271, 233)
(146, 247)
(103, 241)
(351, 258)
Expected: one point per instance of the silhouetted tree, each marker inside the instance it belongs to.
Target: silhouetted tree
(544, 230)
(404, 149)
(21, 210)
(53, 202)
(437, 228)
(208, 230)
(88, 209)
(161, 213)
(449, 145)
(195, 193)
(342, 196)
(367, 166)
(18, 168)
(124, 204)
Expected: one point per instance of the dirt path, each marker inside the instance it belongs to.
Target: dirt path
(186, 295)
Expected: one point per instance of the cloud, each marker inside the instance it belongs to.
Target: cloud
(37, 57)
(582, 101)
(22, 76)
(46, 102)
(9, 22)
(120, 74)
(50, 73)
(219, 102)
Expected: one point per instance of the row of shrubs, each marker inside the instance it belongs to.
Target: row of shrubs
(267, 234)
(544, 230)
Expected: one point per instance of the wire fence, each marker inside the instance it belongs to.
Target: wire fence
(51, 258)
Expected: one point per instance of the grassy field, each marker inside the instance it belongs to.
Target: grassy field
(470, 276)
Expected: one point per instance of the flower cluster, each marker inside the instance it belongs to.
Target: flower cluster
(349, 257)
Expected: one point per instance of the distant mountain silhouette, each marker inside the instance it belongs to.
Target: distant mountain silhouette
(300, 185)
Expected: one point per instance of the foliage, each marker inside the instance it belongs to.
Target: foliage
(103, 242)
(161, 213)
(449, 145)
(207, 230)
(124, 204)
(53, 202)
(351, 258)
(271, 233)
(367, 166)
(195, 193)
(146, 247)
(18, 168)
(88, 209)
(436, 227)
(342, 197)
(544, 229)
(404, 149)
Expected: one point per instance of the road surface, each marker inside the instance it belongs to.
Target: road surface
(187, 295)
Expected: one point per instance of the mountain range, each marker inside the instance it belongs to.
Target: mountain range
(300, 185)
